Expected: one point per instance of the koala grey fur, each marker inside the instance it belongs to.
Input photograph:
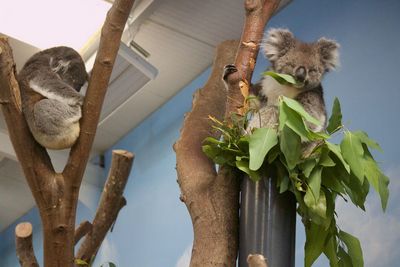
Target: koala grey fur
(50, 82)
(307, 62)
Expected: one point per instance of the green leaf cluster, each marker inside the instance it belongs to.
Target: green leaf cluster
(314, 169)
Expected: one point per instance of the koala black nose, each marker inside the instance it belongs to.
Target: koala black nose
(300, 74)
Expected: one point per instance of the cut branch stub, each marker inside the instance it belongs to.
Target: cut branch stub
(111, 202)
(24, 247)
(256, 260)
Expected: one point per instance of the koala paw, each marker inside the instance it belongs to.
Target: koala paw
(229, 69)
(79, 100)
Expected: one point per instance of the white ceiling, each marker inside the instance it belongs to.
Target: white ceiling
(181, 37)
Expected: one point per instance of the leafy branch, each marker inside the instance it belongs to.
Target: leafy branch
(307, 164)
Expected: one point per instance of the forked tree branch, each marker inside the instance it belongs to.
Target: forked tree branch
(83, 229)
(23, 243)
(111, 203)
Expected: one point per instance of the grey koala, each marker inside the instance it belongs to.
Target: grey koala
(307, 62)
(50, 82)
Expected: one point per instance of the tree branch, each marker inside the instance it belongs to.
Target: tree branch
(83, 228)
(110, 204)
(109, 45)
(211, 201)
(258, 13)
(34, 159)
(24, 247)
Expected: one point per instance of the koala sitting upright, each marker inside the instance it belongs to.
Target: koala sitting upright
(50, 82)
(307, 62)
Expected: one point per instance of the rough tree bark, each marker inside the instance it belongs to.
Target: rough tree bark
(212, 197)
(56, 194)
(23, 244)
(111, 202)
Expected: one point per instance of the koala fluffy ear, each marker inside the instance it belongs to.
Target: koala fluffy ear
(59, 66)
(329, 53)
(277, 43)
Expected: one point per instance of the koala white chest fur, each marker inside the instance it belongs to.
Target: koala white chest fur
(271, 89)
(50, 82)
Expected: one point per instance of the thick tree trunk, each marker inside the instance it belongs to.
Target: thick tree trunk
(212, 201)
(212, 198)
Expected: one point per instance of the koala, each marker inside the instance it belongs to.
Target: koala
(307, 62)
(50, 82)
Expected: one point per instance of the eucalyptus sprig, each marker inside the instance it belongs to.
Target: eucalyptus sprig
(316, 178)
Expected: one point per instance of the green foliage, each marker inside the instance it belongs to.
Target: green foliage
(316, 179)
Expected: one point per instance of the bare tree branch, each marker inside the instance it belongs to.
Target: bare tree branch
(109, 45)
(110, 204)
(24, 247)
(83, 228)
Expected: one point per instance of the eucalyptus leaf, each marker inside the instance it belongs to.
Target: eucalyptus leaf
(288, 117)
(298, 108)
(335, 121)
(81, 262)
(345, 259)
(330, 251)
(353, 152)
(338, 153)
(315, 240)
(260, 142)
(353, 248)
(290, 144)
(281, 78)
(307, 166)
(325, 160)
(377, 179)
(316, 209)
(314, 183)
(364, 138)
(244, 167)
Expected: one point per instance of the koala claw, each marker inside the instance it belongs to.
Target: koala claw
(229, 69)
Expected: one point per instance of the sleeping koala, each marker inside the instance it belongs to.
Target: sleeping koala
(50, 82)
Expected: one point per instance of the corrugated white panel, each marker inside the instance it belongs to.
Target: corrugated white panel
(129, 81)
(209, 21)
(178, 59)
